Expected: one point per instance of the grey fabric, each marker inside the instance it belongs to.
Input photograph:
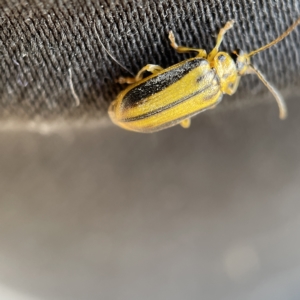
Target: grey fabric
(42, 41)
(208, 213)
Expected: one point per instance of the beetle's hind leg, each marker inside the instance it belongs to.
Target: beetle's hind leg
(180, 49)
(139, 76)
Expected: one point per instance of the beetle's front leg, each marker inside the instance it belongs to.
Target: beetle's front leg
(220, 37)
(232, 89)
(180, 49)
(149, 68)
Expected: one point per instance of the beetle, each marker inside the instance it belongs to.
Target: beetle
(173, 95)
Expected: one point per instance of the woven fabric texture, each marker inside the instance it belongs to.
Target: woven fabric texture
(53, 63)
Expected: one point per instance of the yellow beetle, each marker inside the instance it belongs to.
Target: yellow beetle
(173, 95)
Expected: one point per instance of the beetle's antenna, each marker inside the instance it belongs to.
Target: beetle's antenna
(113, 58)
(278, 97)
(286, 33)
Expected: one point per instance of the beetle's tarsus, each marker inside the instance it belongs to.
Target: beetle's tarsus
(185, 123)
(127, 80)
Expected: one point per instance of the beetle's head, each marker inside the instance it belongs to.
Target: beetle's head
(243, 66)
(242, 61)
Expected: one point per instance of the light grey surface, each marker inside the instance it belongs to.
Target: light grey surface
(211, 213)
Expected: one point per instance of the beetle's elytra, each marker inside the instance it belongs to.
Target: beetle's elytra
(173, 95)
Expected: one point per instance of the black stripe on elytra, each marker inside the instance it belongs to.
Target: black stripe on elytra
(170, 105)
(160, 82)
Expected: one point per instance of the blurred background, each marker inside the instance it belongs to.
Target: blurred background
(211, 212)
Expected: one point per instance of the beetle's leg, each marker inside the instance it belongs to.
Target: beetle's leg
(221, 34)
(180, 49)
(234, 87)
(186, 123)
(149, 68)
